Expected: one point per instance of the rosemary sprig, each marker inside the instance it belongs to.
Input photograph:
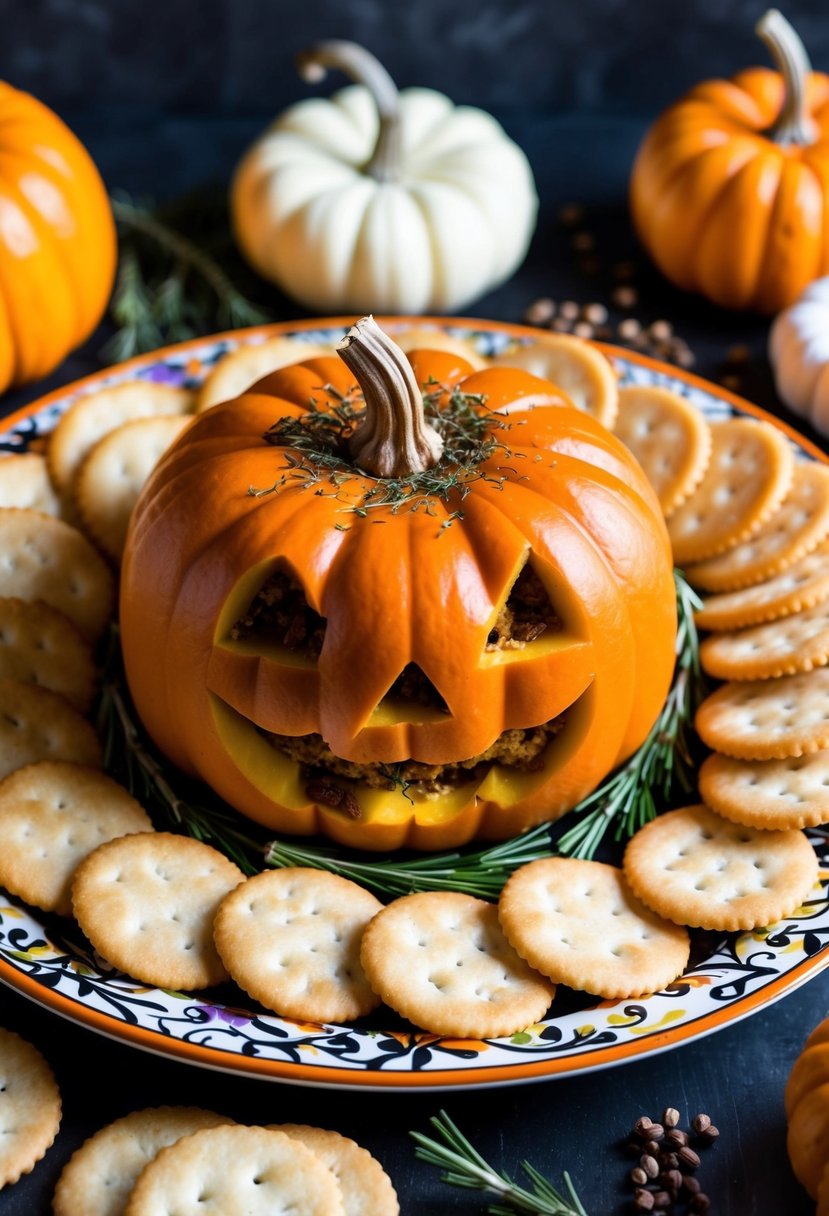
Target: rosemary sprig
(464, 1166)
(664, 760)
(130, 759)
(168, 288)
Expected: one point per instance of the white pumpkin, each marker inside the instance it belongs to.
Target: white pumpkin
(375, 200)
(799, 353)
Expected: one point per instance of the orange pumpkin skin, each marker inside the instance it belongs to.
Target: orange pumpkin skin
(397, 588)
(807, 1110)
(58, 246)
(727, 212)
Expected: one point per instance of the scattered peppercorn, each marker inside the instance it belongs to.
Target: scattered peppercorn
(670, 1117)
(540, 312)
(663, 1179)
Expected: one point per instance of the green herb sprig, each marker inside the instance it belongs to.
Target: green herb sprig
(464, 1166)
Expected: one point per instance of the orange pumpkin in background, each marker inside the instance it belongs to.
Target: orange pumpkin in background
(446, 614)
(730, 188)
(58, 247)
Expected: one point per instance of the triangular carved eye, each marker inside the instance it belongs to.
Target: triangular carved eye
(414, 687)
(280, 615)
(526, 615)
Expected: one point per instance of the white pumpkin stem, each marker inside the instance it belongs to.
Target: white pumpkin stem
(355, 61)
(793, 124)
(394, 439)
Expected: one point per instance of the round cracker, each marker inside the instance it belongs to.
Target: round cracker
(30, 1107)
(798, 526)
(777, 794)
(579, 369)
(39, 645)
(25, 482)
(366, 1187)
(97, 413)
(579, 923)
(99, 1176)
(113, 474)
(799, 642)
(749, 474)
(52, 815)
(441, 960)
(147, 902)
(36, 724)
(42, 558)
(291, 939)
(768, 719)
(239, 369)
(235, 1171)
(802, 585)
(668, 436)
(698, 869)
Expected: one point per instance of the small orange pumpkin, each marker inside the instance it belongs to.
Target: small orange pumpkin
(807, 1110)
(405, 558)
(730, 188)
(58, 246)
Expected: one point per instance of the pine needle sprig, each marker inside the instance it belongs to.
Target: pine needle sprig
(129, 758)
(463, 1166)
(626, 802)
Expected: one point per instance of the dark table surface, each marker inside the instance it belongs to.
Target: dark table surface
(738, 1074)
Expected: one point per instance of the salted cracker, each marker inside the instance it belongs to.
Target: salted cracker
(798, 642)
(767, 719)
(97, 413)
(365, 1185)
(291, 939)
(798, 526)
(579, 923)
(99, 1176)
(802, 585)
(52, 815)
(25, 482)
(749, 474)
(701, 870)
(42, 558)
(39, 645)
(236, 1171)
(441, 960)
(790, 793)
(36, 724)
(668, 436)
(579, 369)
(236, 371)
(30, 1107)
(113, 475)
(147, 902)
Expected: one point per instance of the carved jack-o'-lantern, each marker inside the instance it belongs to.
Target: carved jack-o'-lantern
(401, 603)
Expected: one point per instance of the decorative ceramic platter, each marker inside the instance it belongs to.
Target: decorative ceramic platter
(729, 977)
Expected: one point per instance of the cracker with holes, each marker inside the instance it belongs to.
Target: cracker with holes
(579, 923)
(99, 1176)
(239, 369)
(236, 1171)
(52, 815)
(749, 474)
(36, 724)
(42, 558)
(798, 526)
(579, 370)
(799, 642)
(791, 793)
(112, 476)
(698, 869)
(767, 719)
(668, 436)
(802, 585)
(95, 414)
(291, 939)
(39, 645)
(25, 482)
(441, 960)
(366, 1187)
(30, 1107)
(147, 902)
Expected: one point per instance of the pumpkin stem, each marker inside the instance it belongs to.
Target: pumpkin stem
(394, 439)
(793, 124)
(384, 164)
